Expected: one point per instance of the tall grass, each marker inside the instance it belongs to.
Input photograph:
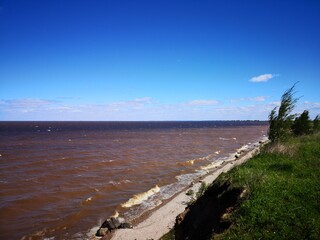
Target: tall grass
(284, 192)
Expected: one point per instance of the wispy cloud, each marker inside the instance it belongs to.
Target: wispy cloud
(144, 108)
(251, 99)
(29, 108)
(257, 99)
(262, 78)
(311, 105)
(25, 104)
(202, 102)
(275, 103)
(135, 103)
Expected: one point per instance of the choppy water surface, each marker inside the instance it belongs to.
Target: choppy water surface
(60, 179)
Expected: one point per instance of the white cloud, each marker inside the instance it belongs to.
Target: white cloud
(262, 78)
(30, 107)
(136, 103)
(311, 105)
(25, 104)
(143, 100)
(144, 108)
(275, 103)
(252, 99)
(202, 102)
(257, 99)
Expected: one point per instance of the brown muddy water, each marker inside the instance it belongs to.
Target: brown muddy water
(59, 180)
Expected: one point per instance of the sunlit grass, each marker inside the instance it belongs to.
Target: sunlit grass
(284, 192)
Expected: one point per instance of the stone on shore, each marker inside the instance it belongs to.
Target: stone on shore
(111, 223)
(125, 225)
(102, 232)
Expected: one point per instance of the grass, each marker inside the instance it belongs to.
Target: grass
(284, 192)
(190, 192)
(201, 190)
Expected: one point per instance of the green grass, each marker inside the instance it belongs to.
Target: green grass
(284, 192)
(201, 190)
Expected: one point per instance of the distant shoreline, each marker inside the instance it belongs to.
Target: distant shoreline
(124, 121)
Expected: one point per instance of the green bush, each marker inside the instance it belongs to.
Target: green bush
(201, 190)
(316, 124)
(302, 124)
(281, 122)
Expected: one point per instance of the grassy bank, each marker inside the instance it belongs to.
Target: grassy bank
(282, 193)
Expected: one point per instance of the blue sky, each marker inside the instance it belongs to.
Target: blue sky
(156, 59)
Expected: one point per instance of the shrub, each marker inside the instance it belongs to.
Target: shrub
(316, 124)
(281, 122)
(202, 189)
(302, 124)
(190, 192)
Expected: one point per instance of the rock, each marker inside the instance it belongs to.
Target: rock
(179, 218)
(182, 215)
(237, 155)
(102, 232)
(111, 223)
(125, 225)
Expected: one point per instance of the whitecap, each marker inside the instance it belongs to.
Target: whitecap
(119, 182)
(212, 165)
(139, 198)
(191, 162)
(115, 214)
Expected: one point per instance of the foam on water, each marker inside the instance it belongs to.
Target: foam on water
(191, 162)
(212, 165)
(119, 182)
(227, 139)
(166, 192)
(139, 198)
(115, 214)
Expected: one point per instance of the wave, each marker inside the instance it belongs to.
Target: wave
(114, 183)
(210, 157)
(166, 192)
(139, 198)
(115, 214)
(212, 165)
(227, 139)
(191, 162)
(187, 163)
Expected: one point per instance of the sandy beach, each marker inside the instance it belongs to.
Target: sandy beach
(161, 220)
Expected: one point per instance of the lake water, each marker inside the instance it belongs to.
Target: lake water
(58, 180)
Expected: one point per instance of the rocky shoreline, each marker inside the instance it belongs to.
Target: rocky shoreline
(163, 219)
